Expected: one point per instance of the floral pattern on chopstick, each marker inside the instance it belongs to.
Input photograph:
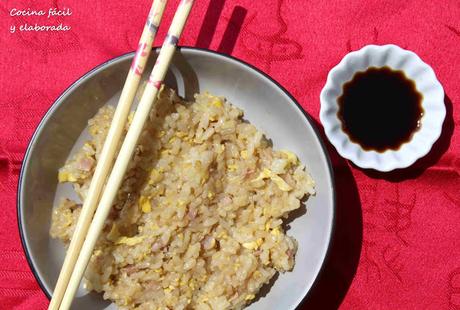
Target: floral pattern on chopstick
(141, 52)
(152, 24)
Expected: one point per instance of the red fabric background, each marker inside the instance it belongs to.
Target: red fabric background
(397, 239)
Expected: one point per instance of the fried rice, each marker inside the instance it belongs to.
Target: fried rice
(198, 220)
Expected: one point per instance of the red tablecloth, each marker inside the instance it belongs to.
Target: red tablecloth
(397, 239)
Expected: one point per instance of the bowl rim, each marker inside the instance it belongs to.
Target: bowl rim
(58, 101)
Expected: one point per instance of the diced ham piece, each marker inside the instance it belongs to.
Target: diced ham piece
(85, 164)
(192, 213)
(157, 246)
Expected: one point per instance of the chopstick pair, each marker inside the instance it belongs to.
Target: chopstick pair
(88, 227)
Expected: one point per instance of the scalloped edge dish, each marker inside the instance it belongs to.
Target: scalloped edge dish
(426, 83)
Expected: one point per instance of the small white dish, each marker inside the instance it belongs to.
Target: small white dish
(426, 83)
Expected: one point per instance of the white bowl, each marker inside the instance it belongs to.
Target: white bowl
(265, 103)
(426, 83)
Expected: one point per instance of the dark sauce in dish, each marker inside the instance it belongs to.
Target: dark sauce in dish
(380, 109)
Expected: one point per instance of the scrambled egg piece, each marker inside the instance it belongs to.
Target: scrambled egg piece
(181, 134)
(291, 157)
(282, 185)
(64, 176)
(267, 226)
(253, 245)
(130, 240)
(275, 232)
(232, 167)
(168, 289)
(250, 297)
(217, 102)
(263, 175)
(267, 173)
(222, 235)
(145, 204)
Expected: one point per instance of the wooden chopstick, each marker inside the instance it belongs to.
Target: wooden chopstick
(108, 151)
(127, 149)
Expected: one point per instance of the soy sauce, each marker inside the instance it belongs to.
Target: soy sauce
(380, 109)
